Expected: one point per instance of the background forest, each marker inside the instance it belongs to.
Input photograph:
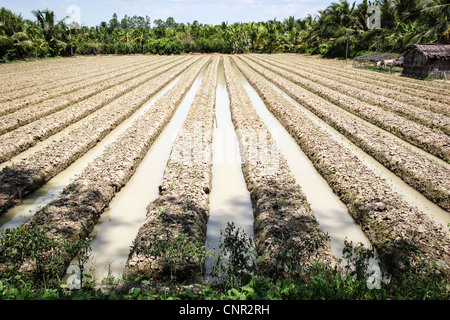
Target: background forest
(403, 23)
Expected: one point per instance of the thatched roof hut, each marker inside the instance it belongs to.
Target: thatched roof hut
(427, 60)
(374, 59)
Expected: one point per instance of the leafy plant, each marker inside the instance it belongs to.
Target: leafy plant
(290, 258)
(29, 253)
(235, 262)
(357, 259)
(177, 257)
(246, 284)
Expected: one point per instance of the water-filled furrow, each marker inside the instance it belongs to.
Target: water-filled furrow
(28, 135)
(31, 173)
(229, 198)
(331, 214)
(383, 214)
(178, 217)
(412, 196)
(73, 215)
(50, 190)
(114, 233)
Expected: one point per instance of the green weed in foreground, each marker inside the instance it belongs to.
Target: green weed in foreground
(355, 282)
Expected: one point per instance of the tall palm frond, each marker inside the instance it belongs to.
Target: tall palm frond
(436, 14)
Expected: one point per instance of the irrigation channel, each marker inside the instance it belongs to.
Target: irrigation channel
(220, 112)
(115, 230)
(44, 195)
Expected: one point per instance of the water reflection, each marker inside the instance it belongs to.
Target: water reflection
(229, 197)
(330, 212)
(117, 227)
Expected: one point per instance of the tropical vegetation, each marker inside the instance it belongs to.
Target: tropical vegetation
(338, 31)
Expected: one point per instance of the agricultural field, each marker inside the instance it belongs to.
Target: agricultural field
(121, 150)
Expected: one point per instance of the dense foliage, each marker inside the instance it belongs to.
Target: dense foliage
(403, 23)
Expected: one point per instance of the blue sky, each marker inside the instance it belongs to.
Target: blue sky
(92, 12)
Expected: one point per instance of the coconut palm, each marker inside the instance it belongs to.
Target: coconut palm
(46, 20)
(18, 37)
(403, 23)
(436, 14)
(51, 31)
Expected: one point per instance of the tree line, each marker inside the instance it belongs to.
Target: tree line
(339, 30)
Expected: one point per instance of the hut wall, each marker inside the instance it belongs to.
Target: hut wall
(439, 69)
(427, 61)
(414, 64)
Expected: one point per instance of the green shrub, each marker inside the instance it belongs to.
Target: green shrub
(235, 260)
(28, 254)
(163, 47)
(90, 48)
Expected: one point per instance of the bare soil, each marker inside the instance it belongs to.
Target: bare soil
(183, 205)
(390, 223)
(404, 237)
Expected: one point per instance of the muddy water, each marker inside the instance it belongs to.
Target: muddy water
(330, 212)
(412, 196)
(115, 231)
(38, 199)
(229, 197)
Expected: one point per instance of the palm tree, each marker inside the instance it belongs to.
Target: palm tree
(53, 33)
(18, 36)
(407, 10)
(273, 27)
(337, 23)
(46, 20)
(436, 14)
(8, 25)
(418, 21)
